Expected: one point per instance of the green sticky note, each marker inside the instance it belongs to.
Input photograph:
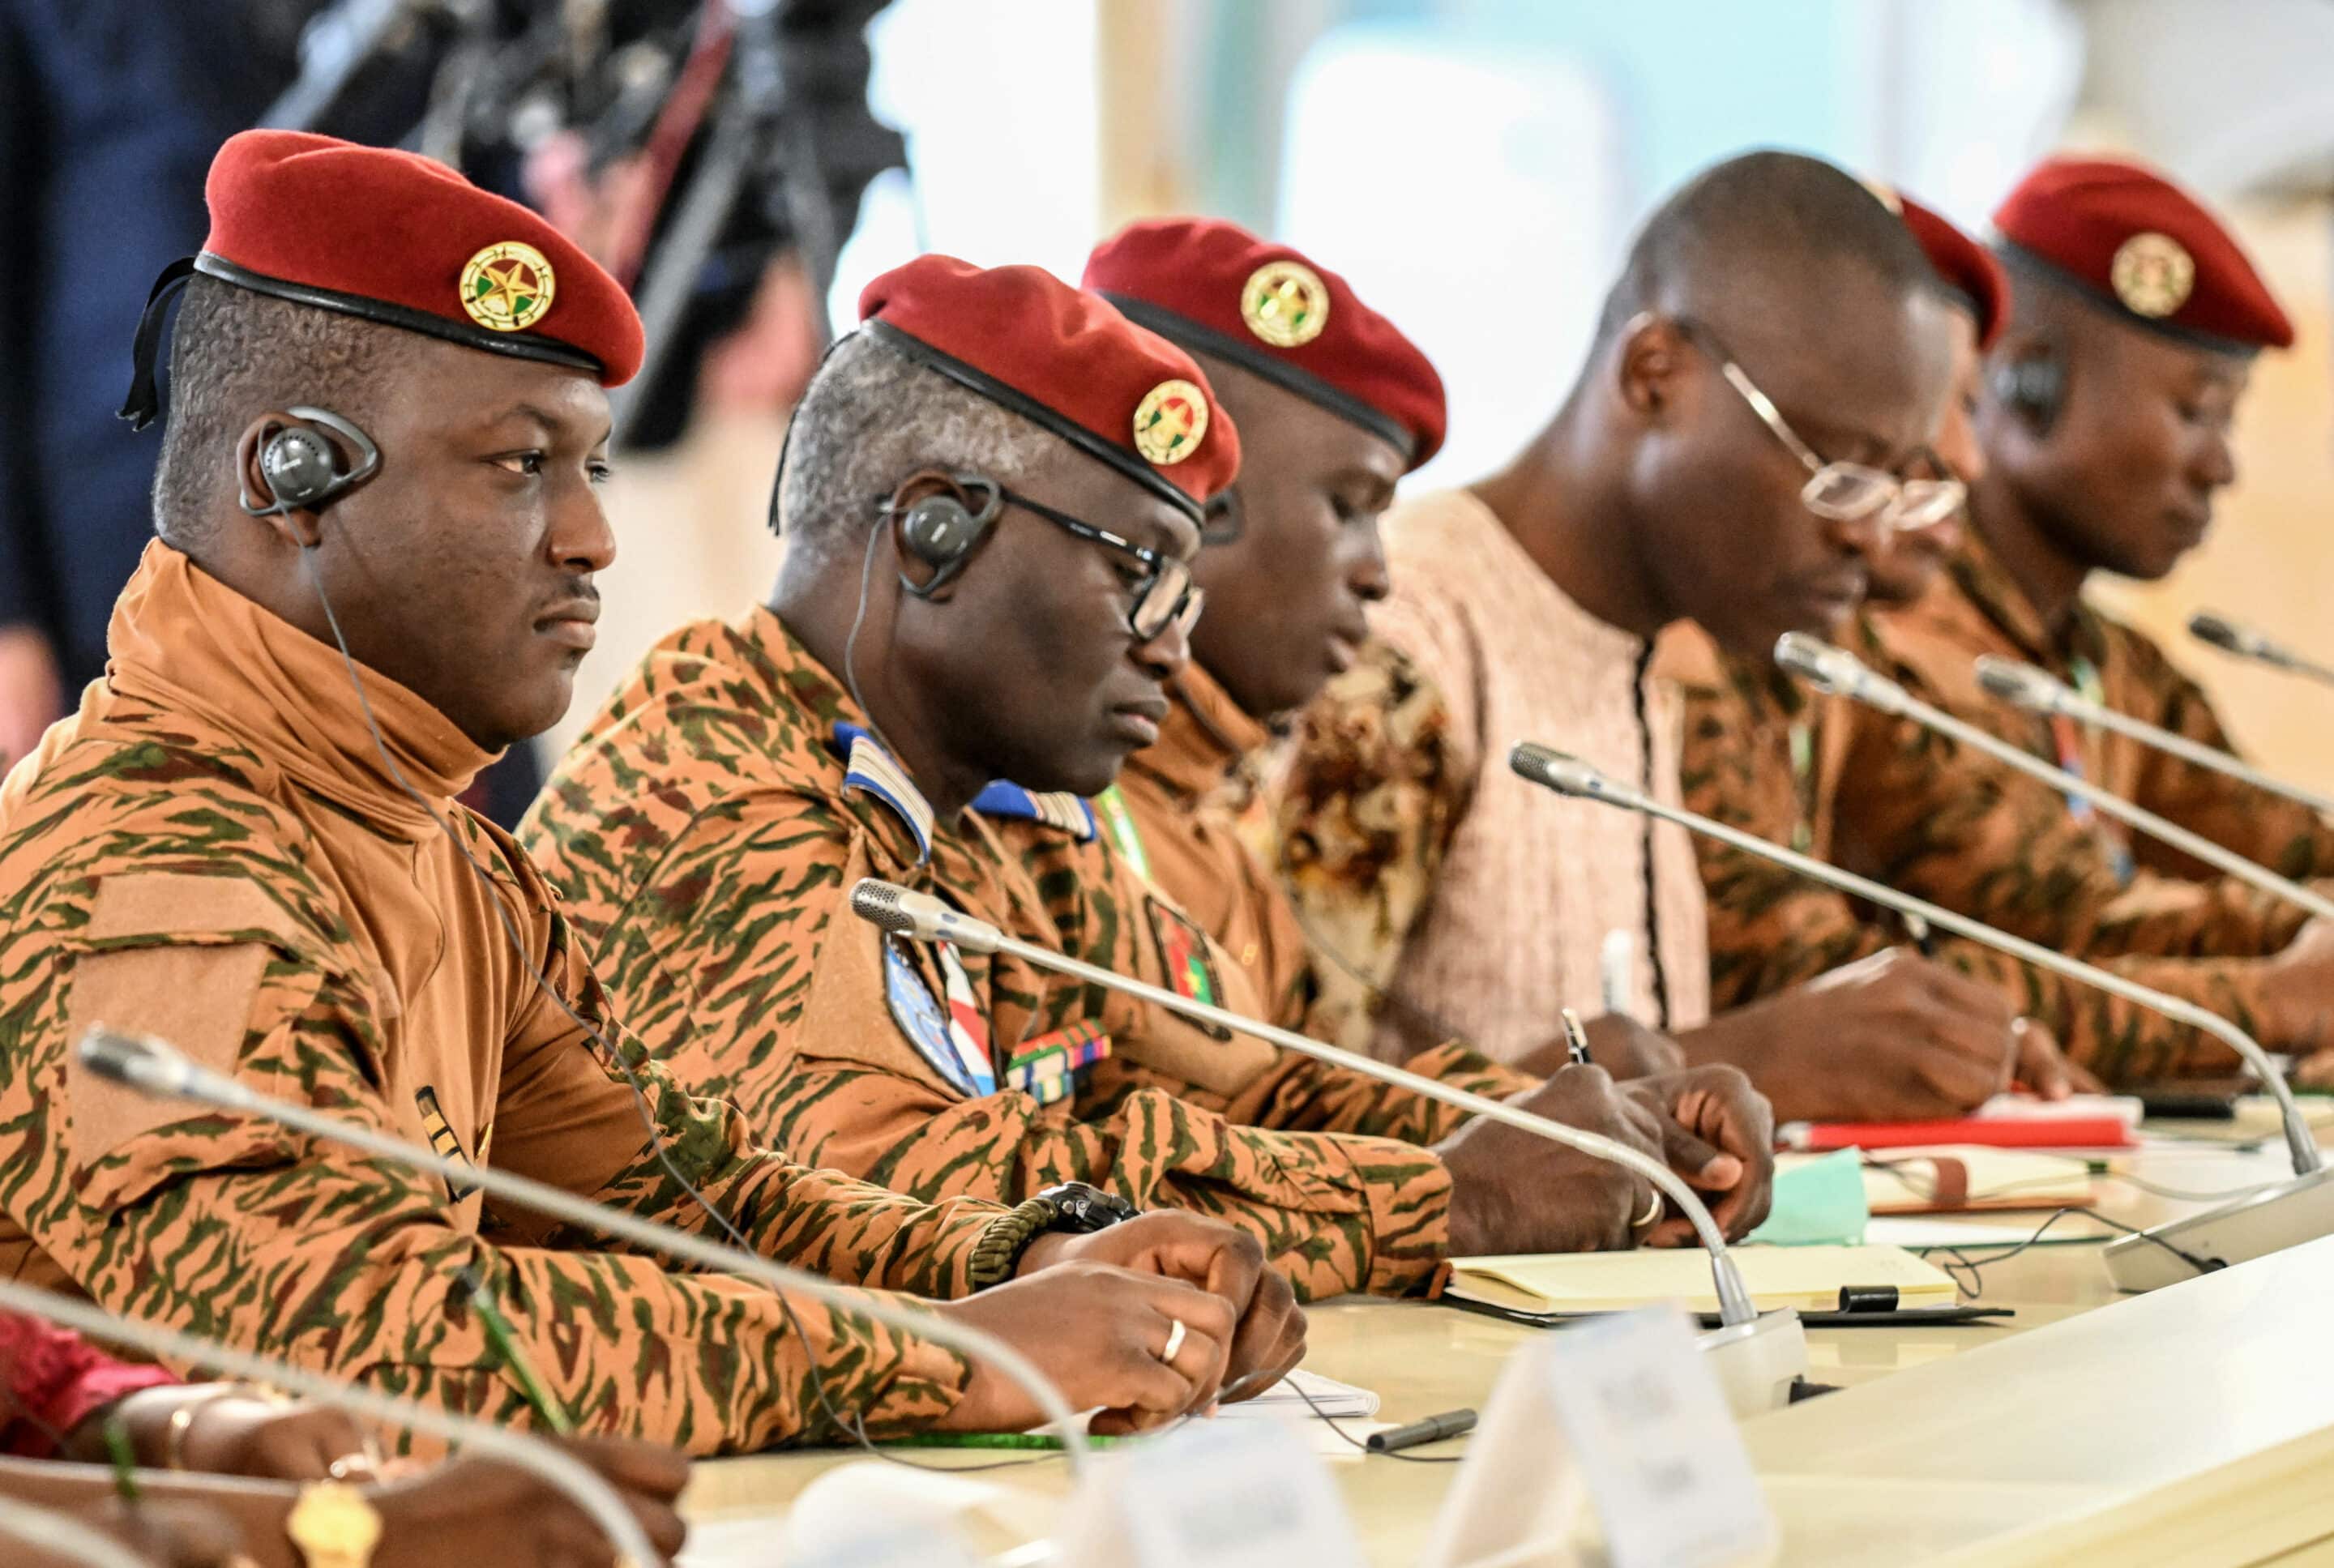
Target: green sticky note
(1818, 1203)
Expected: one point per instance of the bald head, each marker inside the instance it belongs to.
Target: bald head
(1771, 279)
(1760, 245)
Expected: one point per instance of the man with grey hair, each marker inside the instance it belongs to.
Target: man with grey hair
(993, 493)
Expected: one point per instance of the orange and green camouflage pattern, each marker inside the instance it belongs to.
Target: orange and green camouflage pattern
(705, 832)
(1771, 929)
(1914, 811)
(209, 851)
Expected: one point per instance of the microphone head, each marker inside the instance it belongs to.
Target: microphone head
(2021, 685)
(919, 916)
(138, 1061)
(1816, 662)
(1563, 773)
(2207, 627)
(878, 902)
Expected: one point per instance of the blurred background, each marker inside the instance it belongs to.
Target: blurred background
(1474, 166)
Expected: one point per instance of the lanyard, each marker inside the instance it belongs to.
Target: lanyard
(1803, 784)
(2068, 739)
(1123, 831)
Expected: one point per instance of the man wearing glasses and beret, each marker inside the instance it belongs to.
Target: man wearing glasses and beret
(1754, 418)
(992, 494)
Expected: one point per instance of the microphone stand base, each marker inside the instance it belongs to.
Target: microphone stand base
(1757, 1362)
(2285, 1214)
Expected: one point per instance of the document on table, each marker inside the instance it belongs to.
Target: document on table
(1340, 1401)
(1809, 1278)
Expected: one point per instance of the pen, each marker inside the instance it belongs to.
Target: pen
(506, 1346)
(1432, 1429)
(1575, 1036)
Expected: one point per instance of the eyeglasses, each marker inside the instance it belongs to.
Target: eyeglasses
(1163, 596)
(1842, 492)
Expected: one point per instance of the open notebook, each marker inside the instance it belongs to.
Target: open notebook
(1809, 1278)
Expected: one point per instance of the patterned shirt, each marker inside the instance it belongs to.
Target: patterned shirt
(1764, 754)
(708, 831)
(1970, 834)
(1468, 901)
(213, 852)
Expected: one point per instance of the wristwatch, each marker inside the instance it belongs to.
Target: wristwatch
(1072, 1208)
(334, 1526)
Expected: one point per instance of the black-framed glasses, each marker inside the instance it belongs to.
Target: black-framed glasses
(1842, 492)
(1164, 595)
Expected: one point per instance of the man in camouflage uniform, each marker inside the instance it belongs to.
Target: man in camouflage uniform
(1700, 467)
(2105, 420)
(709, 827)
(246, 843)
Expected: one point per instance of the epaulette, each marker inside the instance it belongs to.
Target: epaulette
(872, 770)
(1059, 809)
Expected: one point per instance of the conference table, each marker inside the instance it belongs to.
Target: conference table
(2192, 1425)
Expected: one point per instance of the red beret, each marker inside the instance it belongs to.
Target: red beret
(1216, 289)
(1968, 268)
(2132, 238)
(1063, 359)
(396, 238)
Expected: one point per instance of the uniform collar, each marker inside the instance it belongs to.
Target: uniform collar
(1203, 741)
(183, 639)
(1981, 576)
(869, 770)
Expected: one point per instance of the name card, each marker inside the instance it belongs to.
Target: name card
(1664, 1464)
(1621, 1415)
(1212, 1494)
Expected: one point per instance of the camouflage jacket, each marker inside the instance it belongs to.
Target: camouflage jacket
(1764, 755)
(1186, 813)
(707, 829)
(212, 850)
(1914, 811)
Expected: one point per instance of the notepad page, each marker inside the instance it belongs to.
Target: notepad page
(1809, 1278)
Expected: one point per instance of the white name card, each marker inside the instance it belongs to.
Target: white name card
(1622, 1415)
(1649, 1428)
(1213, 1495)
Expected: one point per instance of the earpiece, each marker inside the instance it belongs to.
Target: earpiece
(943, 528)
(2032, 385)
(301, 465)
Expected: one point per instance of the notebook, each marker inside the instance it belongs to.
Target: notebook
(1805, 1277)
(1957, 1178)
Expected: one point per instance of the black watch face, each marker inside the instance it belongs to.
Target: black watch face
(1083, 1208)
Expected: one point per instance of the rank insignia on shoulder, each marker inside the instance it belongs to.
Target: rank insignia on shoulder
(1047, 1068)
(1183, 955)
(950, 1037)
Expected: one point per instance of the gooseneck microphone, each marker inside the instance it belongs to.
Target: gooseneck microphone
(158, 1069)
(1841, 674)
(579, 1481)
(2281, 1216)
(922, 918)
(2230, 638)
(1757, 1357)
(2038, 692)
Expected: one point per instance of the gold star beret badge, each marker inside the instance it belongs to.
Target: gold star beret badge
(1170, 422)
(2153, 273)
(1286, 304)
(507, 287)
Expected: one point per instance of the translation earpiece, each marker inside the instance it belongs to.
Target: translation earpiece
(942, 529)
(300, 467)
(2031, 386)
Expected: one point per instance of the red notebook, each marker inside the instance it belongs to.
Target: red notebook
(1995, 1131)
